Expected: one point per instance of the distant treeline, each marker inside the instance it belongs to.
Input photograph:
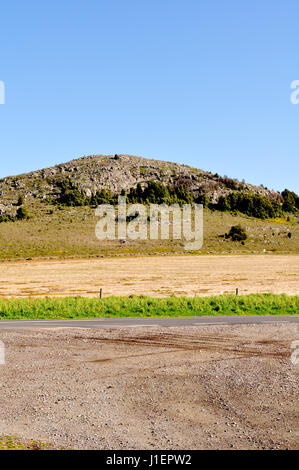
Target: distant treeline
(248, 203)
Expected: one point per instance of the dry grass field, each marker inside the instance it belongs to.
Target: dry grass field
(153, 276)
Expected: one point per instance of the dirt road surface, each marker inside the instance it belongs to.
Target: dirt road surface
(195, 387)
(156, 276)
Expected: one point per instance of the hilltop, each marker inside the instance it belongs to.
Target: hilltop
(115, 173)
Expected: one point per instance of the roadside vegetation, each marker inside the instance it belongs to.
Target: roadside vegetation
(141, 306)
(16, 443)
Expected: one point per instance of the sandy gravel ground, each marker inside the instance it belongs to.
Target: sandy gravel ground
(156, 276)
(207, 387)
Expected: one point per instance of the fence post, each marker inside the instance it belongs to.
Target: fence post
(101, 293)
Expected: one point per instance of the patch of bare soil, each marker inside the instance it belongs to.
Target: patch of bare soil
(200, 387)
(155, 276)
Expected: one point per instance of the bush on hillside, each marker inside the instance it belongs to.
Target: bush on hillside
(237, 233)
(203, 199)
(290, 201)
(21, 201)
(22, 213)
(6, 218)
(253, 205)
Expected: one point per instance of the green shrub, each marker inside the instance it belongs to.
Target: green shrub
(237, 233)
(158, 193)
(6, 218)
(230, 183)
(21, 201)
(290, 201)
(203, 199)
(22, 213)
(102, 197)
(253, 205)
(224, 204)
(73, 197)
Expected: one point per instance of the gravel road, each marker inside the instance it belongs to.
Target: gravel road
(142, 387)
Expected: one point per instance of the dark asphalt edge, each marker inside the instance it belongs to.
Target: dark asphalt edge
(152, 321)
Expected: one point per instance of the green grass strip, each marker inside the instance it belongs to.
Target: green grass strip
(134, 306)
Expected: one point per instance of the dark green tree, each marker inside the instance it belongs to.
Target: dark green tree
(22, 213)
(21, 200)
(237, 233)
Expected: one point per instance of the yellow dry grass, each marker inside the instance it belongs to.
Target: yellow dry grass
(154, 276)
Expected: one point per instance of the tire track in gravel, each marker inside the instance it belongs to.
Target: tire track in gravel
(175, 342)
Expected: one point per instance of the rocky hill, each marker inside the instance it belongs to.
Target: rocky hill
(50, 213)
(115, 173)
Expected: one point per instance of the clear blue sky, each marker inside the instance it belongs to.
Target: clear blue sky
(205, 83)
